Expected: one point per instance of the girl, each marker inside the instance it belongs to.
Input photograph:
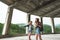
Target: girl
(37, 27)
(30, 28)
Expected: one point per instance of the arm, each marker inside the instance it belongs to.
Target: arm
(26, 26)
(41, 27)
(40, 24)
(36, 24)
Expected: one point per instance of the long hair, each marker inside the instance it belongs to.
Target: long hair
(37, 20)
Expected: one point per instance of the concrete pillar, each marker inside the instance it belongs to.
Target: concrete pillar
(7, 21)
(42, 20)
(42, 24)
(53, 26)
(28, 19)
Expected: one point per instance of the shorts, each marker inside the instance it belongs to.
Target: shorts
(37, 31)
(30, 31)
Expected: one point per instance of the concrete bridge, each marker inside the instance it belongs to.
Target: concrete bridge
(42, 8)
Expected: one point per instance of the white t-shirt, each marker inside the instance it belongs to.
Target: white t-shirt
(30, 27)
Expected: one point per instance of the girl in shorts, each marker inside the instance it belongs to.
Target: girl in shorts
(37, 29)
(30, 28)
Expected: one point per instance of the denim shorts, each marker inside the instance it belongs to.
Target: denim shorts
(37, 31)
(30, 31)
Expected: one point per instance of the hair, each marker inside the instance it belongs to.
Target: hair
(37, 19)
(30, 21)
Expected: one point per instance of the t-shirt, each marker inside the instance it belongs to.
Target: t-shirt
(30, 26)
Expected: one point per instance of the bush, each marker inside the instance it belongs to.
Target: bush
(15, 29)
(57, 30)
(1, 28)
(20, 29)
(46, 28)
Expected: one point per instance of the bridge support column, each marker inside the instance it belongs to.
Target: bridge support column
(28, 19)
(42, 23)
(53, 25)
(7, 21)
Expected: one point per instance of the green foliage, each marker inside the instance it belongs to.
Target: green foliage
(20, 29)
(46, 28)
(15, 29)
(1, 27)
(57, 28)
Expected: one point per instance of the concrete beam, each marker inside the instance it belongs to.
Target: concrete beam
(53, 13)
(57, 14)
(49, 8)
(42, 5)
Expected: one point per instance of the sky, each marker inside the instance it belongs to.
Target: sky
(21, 17)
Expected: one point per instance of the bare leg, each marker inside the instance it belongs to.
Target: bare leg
(40, 37)
(29, 35)
(36, 36)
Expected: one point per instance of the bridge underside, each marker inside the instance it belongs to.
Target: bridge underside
(42, 8)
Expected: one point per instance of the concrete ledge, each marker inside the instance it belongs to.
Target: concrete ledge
(9, 36)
